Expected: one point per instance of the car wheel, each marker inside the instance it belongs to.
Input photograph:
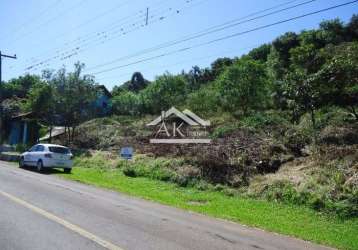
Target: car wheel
(21, 162)
(39, 166)
(67, 170)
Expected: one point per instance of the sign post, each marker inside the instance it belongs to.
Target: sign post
(127, 153)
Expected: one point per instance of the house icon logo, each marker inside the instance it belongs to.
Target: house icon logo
(176, 127)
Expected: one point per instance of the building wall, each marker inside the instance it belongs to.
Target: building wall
(103, 104)
(17, 132)
(15, 136)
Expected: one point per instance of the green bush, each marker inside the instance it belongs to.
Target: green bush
(166, 91)
(203, 101)
(315, 196)
(21, 148)
(243, 86)
(264, 119)
(127, 103)
(129, 171)
(158, 169)
(203, 185)
(296, 139)
(222, 131)
(98, 160)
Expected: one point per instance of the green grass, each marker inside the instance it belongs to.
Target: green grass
(296, 221)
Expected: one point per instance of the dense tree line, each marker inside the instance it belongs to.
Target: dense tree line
(299, 73)
(61, 98)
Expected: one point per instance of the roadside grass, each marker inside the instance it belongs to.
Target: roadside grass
(297, 221)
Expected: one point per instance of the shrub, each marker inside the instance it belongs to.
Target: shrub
(166, 91)
(21, 148)
(243, 86)
(203, 185)
(157, 169)
(264, 119)
(320, 197)
(221, 132)
(126, 103)
(182, 181)
(219, 187)
(96, 160)
(129, 171)
(296, 139)
(203, 101)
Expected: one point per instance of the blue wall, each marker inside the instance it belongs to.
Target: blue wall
(103, 104)
(15, 133)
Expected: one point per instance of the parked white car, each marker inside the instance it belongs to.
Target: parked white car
(47, 156)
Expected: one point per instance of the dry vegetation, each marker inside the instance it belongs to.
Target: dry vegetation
(263, 156)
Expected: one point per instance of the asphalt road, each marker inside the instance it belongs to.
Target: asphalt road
(42, 211)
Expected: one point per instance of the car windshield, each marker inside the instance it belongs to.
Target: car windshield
(59, 150)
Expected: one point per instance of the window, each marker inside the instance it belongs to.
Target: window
(59, 150)
(40, 148)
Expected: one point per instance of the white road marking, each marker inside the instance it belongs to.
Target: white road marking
(62, 222)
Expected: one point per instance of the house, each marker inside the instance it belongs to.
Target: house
(103, 103)
(23, 129)
(55, 133)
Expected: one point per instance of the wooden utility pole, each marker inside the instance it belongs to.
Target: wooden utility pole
(147, 17)
(1, 115)
(1, 56)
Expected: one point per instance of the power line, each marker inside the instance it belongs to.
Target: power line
(100, 40)
(6, 56)
(161, 18)
(87, 36)
(207, 31)
(226, 37)
(87, 22)
(183, 61)
(102, 34)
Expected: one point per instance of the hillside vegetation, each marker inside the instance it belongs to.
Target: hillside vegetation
(284, 122)
(258, 157)
(284, 115)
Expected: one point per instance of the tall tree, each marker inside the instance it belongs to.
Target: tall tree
(136, 84)
(243, 86)
(166, 91)
(74, 97)
(42, 102)
(260, 53)
(219, 66)
(338, 78)
(352, 29)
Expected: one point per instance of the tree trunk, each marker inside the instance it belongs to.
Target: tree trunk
(50, 139)
(68, 135)
(73, 133)
(313, 119)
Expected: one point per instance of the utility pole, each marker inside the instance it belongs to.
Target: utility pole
(1, 56)
(147, 16)
(1, 115)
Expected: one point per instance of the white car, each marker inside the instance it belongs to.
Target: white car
(47, 156)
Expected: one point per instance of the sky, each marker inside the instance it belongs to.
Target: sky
(112, 37)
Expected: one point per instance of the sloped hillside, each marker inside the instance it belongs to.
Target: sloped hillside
(263, 156)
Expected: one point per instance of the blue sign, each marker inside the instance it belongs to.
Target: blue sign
(127, 153)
